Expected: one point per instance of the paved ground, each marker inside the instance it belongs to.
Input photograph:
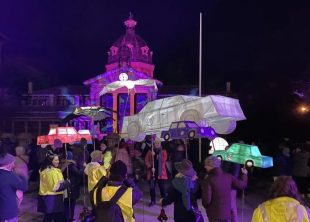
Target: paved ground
(253, 196)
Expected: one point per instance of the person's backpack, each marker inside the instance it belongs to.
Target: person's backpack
(109, 211)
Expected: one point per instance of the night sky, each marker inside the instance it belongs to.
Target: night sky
(59, 42)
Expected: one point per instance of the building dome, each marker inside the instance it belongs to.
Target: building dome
(130, 47)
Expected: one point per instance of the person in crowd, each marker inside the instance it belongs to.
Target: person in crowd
(52, 185)
(81, 154)
(234, 170)
(123, 155)
(33, 162)
(183, 192)
(70, 171)
(117, 178)
(283, 204)
(21, 168)
(216, 190)
(146, 146)
(177, 155)
(94, 170)
(282, 163)
(10, 182)
(106, 154)
(138, 165)
(155, 162)
(301, 170)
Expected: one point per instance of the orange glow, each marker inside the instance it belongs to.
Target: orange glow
(303, 109)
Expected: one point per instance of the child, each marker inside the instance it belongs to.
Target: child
(94, 170)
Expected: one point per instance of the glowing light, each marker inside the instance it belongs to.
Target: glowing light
(130, 84)
(218, 143)
(303, 109)
(123, 76)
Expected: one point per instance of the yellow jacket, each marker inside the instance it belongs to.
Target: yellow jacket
(50, 179)
(281, 209)
(107, 157)
(125, 202)
(95, 172)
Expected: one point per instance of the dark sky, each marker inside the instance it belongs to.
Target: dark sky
(67, 40)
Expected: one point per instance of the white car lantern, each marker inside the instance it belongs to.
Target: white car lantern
(218, 112)
(218, 143)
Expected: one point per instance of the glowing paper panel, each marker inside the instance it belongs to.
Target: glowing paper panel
(65, 135)
(218, 143)
(219, 112)
(244, 154)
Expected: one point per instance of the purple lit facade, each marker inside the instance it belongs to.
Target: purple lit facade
(130, 55)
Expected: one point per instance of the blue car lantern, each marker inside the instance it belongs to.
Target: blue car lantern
(187, 129)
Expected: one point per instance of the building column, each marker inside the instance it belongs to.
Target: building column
(115, 120)
(132, 102)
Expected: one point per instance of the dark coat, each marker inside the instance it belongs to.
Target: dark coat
(216, 189)
(75, 177)
(181, 214)
(9, 183)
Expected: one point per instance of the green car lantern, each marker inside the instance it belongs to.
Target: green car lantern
(244, 154)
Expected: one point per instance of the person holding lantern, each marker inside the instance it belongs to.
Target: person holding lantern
(155, 162)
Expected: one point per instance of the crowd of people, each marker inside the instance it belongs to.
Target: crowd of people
(110, 173)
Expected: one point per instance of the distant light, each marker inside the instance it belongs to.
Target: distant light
(303, 109)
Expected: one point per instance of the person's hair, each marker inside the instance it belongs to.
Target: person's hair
(284, 186)
(48, 162)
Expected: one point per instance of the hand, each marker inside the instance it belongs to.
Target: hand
(84, 164)
(153, 153)
(153, 170)
(244, 171)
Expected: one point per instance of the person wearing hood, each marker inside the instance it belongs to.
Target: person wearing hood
(283, 204)
(10, 182)
(75, 176)
(216, 190)
(183, 192)
(94, 170)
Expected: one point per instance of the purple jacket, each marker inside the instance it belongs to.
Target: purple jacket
(216, 189)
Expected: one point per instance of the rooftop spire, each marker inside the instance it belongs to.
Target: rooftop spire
(130, 23)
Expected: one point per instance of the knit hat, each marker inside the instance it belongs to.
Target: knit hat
(185, 167)
(6, 159)
(96, 156)
(118, 168)
(212, 161)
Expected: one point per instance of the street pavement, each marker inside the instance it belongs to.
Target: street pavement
(254, 195)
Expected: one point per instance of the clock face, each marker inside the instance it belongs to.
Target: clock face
(123, 77)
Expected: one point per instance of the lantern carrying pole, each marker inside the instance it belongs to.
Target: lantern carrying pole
(200, 69)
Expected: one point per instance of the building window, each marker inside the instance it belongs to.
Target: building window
(106, 101)
(140, 101)
(123, 108)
